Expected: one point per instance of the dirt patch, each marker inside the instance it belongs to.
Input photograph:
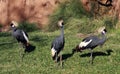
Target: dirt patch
(36, 11)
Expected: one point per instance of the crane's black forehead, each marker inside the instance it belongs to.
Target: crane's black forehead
(105, 30)
(62, 23)
(11, 24)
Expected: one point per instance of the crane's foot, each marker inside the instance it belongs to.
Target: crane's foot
(56, 65)
(61, 64)
(91, 57)
(91, 61)
(56, 62)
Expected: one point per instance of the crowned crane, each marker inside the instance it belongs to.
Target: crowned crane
(58, 44)
(20, 35)
(91, 42)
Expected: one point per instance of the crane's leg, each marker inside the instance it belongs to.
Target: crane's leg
(91, 56)
(56, 57)
(61, 60)
(61, 64)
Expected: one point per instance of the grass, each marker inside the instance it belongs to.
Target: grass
(40, 62)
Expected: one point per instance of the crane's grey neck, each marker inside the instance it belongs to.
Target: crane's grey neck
(13, 28)
(103, 39)
(62, 31)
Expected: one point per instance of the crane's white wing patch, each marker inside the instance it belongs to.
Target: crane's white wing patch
(84, 43)
(26, 38)
(53, 51)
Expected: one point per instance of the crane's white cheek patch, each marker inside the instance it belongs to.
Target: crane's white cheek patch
(103, 32)
(13, 25)
(84, 43)
(53, 51)
(26, 38)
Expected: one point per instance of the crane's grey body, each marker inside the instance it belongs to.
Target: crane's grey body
(19, 35)
(58, 44)
(91, 42)
(95, 41)
(22, 38)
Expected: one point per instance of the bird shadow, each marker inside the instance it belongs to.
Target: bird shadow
(65, 56)
(6, 43)
(30, 48)
(108, 52)
(41, 40)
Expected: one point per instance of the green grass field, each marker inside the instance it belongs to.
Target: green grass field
(39, 61)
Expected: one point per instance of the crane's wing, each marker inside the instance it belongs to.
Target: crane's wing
(20, 35)
(25, 36)
(89, 38)
(90, 41)
(85, 43)
(94, 42)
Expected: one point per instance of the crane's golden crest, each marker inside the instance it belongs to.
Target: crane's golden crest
(60, 23)
(15, 23)
(101, 29)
